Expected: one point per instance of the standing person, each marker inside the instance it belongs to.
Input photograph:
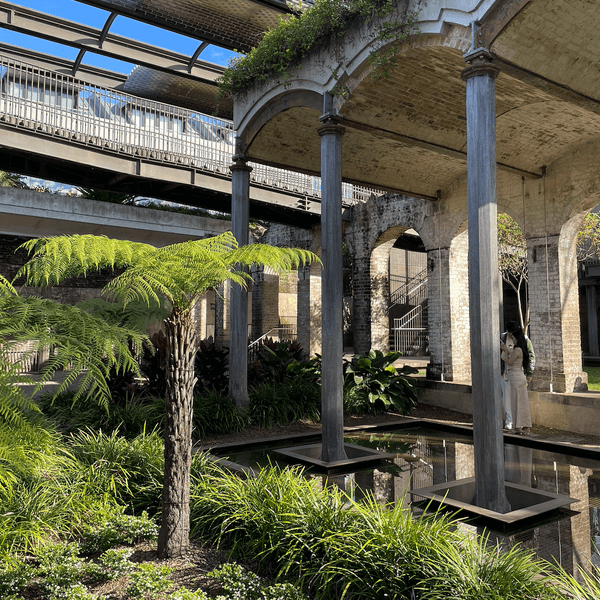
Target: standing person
(505, 387)
(515, 356)
(513, 326)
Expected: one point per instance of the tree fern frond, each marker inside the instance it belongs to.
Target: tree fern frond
(6, 287)
(85, 344)
(278, 259)
(55, 259)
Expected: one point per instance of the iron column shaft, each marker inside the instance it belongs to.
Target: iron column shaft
(332, 403)
(483, 281)
(238, 352)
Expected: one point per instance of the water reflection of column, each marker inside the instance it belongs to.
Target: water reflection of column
(364, 484)
(580, 524)
(383, 487)
(518, 464)
(464, 460)
(344, 482)
(567, 541)
(442, 460)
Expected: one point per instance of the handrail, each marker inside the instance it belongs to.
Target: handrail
(408, 317)
(404, 291)
(263, 336)
(411, 331)
(61, 106)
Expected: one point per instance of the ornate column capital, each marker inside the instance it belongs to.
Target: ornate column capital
(240, 163)
(480, 63)
(331, 124)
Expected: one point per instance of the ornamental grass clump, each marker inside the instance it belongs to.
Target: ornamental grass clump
(131, 469)
(333, 547)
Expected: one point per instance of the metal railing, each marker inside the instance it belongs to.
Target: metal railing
(414, 291)
(283, 333)
(411, 332)
(60, 106)
(25, 355)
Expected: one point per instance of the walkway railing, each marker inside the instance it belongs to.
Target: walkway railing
(60, 106)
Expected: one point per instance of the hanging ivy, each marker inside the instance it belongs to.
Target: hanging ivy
(284, 47)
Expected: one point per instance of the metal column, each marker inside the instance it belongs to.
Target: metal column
(480, 79)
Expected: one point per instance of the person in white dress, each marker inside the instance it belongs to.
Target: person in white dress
(515, 356)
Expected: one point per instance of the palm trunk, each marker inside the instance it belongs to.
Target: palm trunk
(173, 539)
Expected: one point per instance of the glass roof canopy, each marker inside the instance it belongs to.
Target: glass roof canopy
(118, 24)
(162, 42)
(168, 50)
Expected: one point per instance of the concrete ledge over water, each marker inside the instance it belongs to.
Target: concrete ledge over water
(575, 412)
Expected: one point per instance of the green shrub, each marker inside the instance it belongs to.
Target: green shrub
(61, 570)
(472, 569)
(334, 547)
(585, 585)
(131, 416)
(55, 499)
(277, 403)
(115, 563)
(185, 594)
(239, 583)
(273, 360)
(372, 384)
(14, 576)
(116, 529)
(211, 368)
(132, 470)
(215, 414)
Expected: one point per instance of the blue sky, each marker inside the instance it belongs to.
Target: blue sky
(88, 15)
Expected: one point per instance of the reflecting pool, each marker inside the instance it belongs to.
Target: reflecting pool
(425, 457)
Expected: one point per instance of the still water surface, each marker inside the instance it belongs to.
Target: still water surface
(427, 457)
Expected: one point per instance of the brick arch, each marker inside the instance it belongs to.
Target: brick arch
(279, 102)
(457, 39)
(380, 286)
(375, 227)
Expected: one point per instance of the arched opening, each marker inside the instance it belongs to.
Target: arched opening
(409, 296)
(588, 276)
(513, 267)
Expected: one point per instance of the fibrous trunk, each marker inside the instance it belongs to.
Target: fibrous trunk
(173, 539)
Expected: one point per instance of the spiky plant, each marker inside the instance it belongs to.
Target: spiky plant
(181, 273)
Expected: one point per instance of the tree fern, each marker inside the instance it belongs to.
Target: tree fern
(181, 273)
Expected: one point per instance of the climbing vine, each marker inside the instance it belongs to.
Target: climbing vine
(284, 47)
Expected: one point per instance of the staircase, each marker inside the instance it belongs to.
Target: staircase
(408, 311)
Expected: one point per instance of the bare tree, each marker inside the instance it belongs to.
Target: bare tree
(512, 261)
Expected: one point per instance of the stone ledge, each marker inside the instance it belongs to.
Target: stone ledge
(575, 412)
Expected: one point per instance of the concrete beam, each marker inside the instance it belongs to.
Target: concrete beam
(561, 92)
(121, 169)
(29, 213)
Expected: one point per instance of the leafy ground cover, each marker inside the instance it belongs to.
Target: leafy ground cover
(97, 487)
